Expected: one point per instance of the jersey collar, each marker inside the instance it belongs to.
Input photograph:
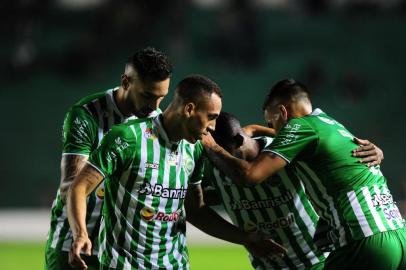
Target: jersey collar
(316, 112)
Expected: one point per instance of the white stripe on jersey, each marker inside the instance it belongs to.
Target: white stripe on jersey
(156, 239)
(55, 237)
(356, 207)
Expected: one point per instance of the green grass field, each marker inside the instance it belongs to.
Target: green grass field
(29, 256)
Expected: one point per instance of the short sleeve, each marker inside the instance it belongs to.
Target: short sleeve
(296, 138)
(79, 135)
(115, 151)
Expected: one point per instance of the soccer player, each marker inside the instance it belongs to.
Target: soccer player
(147, 165)
(280, 210)
(352, 197)
(144, 84)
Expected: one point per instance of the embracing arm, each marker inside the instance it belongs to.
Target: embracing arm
(241, 171)
(208, 221)
(84, 183)
(368, 152)
(70, 167)
(258, 130)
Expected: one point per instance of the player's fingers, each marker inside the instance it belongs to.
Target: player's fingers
(365, 153)
(361, 141)
(277, 248)
(373, 163)
(364, 148)
(88, 248)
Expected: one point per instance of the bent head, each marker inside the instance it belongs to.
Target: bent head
(200, 103)
(286, 99)
(229, 134)
(146, 80)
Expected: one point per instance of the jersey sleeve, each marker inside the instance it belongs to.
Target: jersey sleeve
(296, 138)
(79, 132)
(115, 151)
(199, 158)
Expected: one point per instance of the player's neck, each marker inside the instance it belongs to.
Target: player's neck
(122, 102)
(171, 124)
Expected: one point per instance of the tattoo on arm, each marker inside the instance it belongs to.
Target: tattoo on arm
(70, 168)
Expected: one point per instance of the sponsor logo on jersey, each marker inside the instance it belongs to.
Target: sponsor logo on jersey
(154, 166)
(282, 222)
(100, 193)
(261, 204)
(382, 199)
(149, 214)
(160, 191)
(250, 226)
(392, 213)
(150, 134)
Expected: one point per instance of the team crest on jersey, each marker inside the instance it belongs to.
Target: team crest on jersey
(188, 165)
(150, 134)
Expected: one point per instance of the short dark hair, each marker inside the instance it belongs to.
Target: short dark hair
(286, 91)
(227, 126)
(194, 86)
(151, 64)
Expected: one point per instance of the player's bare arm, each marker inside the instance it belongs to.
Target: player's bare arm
(208, 221)
(258, 130)
(241, 171)
(85, 182)
(70, 167)
(369, 152)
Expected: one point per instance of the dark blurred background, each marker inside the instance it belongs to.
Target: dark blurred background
(351, 54)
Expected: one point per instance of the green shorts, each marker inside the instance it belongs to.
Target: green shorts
(382, 251)
(59, 260)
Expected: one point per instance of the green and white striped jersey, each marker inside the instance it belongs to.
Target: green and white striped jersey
(281, 210)
(353, 198)
(146, 178)
(84, 126)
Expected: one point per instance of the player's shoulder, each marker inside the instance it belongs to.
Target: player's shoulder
(91, 98)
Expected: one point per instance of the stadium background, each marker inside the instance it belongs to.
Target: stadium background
(351, 54)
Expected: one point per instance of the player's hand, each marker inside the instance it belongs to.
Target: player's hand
(80, 244)
(261, 245)
(368, 152)
(208, 141)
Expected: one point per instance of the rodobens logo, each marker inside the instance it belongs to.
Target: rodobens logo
(100, 193)
(148, 214)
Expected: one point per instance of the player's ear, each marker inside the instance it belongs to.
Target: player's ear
(239, 140)
(125, 81)
(283, 110)
(189, 109)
